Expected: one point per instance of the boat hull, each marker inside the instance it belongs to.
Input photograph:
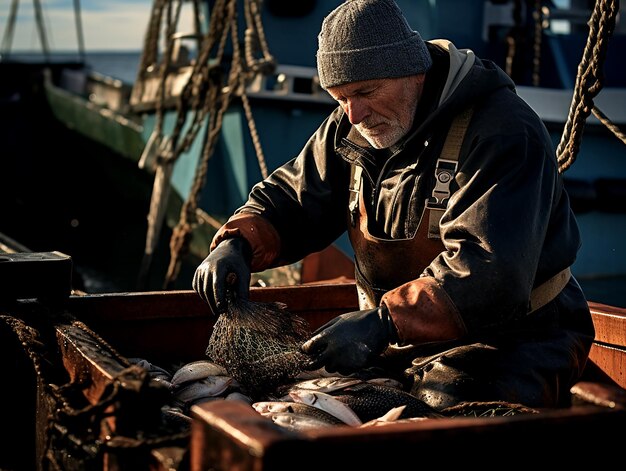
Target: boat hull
(92, 345)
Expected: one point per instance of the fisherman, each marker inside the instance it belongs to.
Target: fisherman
(447, 184)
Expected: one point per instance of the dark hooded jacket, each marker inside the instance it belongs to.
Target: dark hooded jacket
(508, 226)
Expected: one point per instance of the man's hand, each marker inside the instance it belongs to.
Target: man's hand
(225, 272)
(350, 341)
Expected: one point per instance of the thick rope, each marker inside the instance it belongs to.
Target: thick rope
(84, 420)
(181, 234)
(150, 46)
(513, 37)
(242, 68)
(609, 124)
(589, 80)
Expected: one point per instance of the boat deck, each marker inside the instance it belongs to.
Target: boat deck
(96, 334)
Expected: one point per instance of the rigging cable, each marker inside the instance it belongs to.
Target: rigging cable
(9, 32)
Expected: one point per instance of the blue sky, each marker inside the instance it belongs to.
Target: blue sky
(107, 24)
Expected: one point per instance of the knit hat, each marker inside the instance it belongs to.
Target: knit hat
(368, 39)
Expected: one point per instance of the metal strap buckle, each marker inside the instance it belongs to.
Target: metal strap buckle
(444, 174)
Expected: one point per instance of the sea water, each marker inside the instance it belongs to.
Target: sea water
(122, 65)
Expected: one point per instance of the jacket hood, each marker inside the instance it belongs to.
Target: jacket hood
(469, 77)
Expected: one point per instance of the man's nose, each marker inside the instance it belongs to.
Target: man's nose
(357, 110)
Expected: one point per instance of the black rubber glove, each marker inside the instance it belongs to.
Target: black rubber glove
(350, 341)
(225, 272)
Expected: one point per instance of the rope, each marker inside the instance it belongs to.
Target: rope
(66, 420)
(255, 135)
(170, 148)
(610, 125)
(41, 28)
(150, 47)
(181, 234)
(242, 69)
(589, 80)
(538, 16)
(513, 37)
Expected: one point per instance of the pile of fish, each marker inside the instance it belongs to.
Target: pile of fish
(315, 399)
(339, 400)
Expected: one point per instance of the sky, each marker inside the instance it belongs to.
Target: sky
(107, 24)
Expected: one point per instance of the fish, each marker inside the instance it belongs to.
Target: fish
(312, 374)
(267, 408)
(197, 370)
(370, 401)
(325, 384)
(297, 422)
(391, 416)
(327, 403)
(392, 383)
(207, 387)
(378, 422)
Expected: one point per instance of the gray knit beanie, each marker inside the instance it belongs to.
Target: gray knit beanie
(368, 39)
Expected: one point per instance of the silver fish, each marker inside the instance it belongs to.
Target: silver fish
(408, 420)
(306, 374)
(327, 403)
(267, 408)
(392, 416)
(297, 422)
(370, 401)
(197, 370)
(390, 382)
(207, 387)
(325, 384)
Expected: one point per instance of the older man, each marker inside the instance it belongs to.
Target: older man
(463, 236)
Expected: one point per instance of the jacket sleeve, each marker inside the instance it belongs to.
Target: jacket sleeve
(260, 234)
(438, 319)
(303, 200)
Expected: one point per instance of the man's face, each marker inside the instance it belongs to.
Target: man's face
(382, 110)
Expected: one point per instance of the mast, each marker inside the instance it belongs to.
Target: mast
(79, 30)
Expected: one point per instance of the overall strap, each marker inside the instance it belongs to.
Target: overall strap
(355, 189)
(444, 171)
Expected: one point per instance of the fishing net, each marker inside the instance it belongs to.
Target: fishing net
(259, 344)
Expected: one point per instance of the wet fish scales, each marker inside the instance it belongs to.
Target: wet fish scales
(324, 384)
(300, 408)
(297, 422)
(371, 401)
(207, 387)
(197, 370)
(327, 403)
